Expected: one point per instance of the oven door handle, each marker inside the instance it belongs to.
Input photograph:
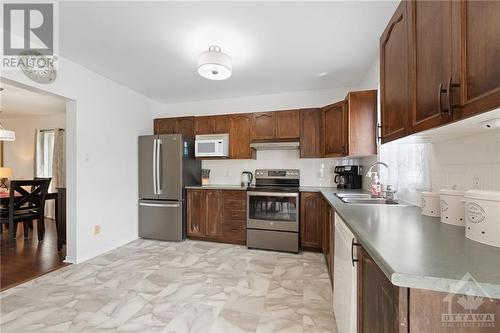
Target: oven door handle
(272, 194)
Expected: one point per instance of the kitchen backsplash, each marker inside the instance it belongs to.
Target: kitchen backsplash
(468, 162)
(313, 171)
(471, 162)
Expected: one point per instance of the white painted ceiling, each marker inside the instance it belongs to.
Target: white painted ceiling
(16, 101)
(152, 47)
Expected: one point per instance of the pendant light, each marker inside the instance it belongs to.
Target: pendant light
(6, 135)
(214, 65)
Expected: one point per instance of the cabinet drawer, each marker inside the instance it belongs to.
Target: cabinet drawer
(235, 215)
(235, 205)
(234, 231)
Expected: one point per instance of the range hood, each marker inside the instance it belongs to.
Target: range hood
(275, 145)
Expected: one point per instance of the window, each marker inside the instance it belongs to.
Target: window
(44, 153)
(409, 165)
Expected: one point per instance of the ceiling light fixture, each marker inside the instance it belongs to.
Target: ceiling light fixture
(6, 135)
(214, 65)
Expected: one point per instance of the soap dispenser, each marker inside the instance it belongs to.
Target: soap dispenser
(376, 187)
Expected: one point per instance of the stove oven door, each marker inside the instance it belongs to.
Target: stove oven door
(273, 211)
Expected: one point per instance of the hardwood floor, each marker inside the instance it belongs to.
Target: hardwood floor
(29, 258)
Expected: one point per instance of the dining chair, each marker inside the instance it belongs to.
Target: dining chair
(27, 206)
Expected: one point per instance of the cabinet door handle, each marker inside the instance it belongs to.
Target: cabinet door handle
(353, 243)
(448, 95)
(440, 92)
(448, 89)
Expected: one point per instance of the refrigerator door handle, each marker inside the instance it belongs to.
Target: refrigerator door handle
(145, 204)
(155, 157)
(158, 166)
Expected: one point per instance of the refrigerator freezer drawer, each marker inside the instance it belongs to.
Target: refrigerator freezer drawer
(161, 220)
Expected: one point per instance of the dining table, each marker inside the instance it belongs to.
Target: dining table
(59, 198)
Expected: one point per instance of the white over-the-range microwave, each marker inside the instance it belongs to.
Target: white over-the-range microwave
(212, 145)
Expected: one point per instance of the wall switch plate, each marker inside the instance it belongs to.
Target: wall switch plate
(97, 229)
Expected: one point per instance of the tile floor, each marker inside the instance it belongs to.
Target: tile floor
(151, 286)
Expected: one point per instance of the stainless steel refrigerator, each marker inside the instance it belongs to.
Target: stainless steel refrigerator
(166, 166)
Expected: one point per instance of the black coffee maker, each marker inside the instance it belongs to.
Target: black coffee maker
(349, 177)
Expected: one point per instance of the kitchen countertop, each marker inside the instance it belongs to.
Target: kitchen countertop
(417, 251)
(238, 187)
(217, 187)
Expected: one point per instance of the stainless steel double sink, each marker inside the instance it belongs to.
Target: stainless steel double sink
(364, 199)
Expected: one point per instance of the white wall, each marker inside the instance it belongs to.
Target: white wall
(229, 171)
(313, 171)
(272, 102)
(372, 77)
(103, 122)
(20, 154)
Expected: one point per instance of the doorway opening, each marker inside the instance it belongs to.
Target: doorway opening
(33, 239)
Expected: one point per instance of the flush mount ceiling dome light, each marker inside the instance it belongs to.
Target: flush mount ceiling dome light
(214, 65)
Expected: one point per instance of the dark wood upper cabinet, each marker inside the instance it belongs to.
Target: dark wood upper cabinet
(361, 113)
(310, 133)
(203, 125)
(288, 124)
(439, 62)
(349, 126)
(263, 125)
(239, 136)
(164, 126)
(177, 125)
(394, 96)
(311, 220)
(196, 213)
(382, 307)
(478, 53)
(430, 26)
(221, 124)
(185, 126)
(213, 213)
(211, 124)
(334, 130)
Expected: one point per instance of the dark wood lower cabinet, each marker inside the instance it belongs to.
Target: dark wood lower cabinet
(217, 215)
(386, 308)
(311, 221)
(213, 204)
(196, 213)
(328, 230)
(234, 225)
(426, 309)
(381, 305)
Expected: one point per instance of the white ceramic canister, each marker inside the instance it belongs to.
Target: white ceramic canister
(452, 207)
(430, 204)
(482, 216)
